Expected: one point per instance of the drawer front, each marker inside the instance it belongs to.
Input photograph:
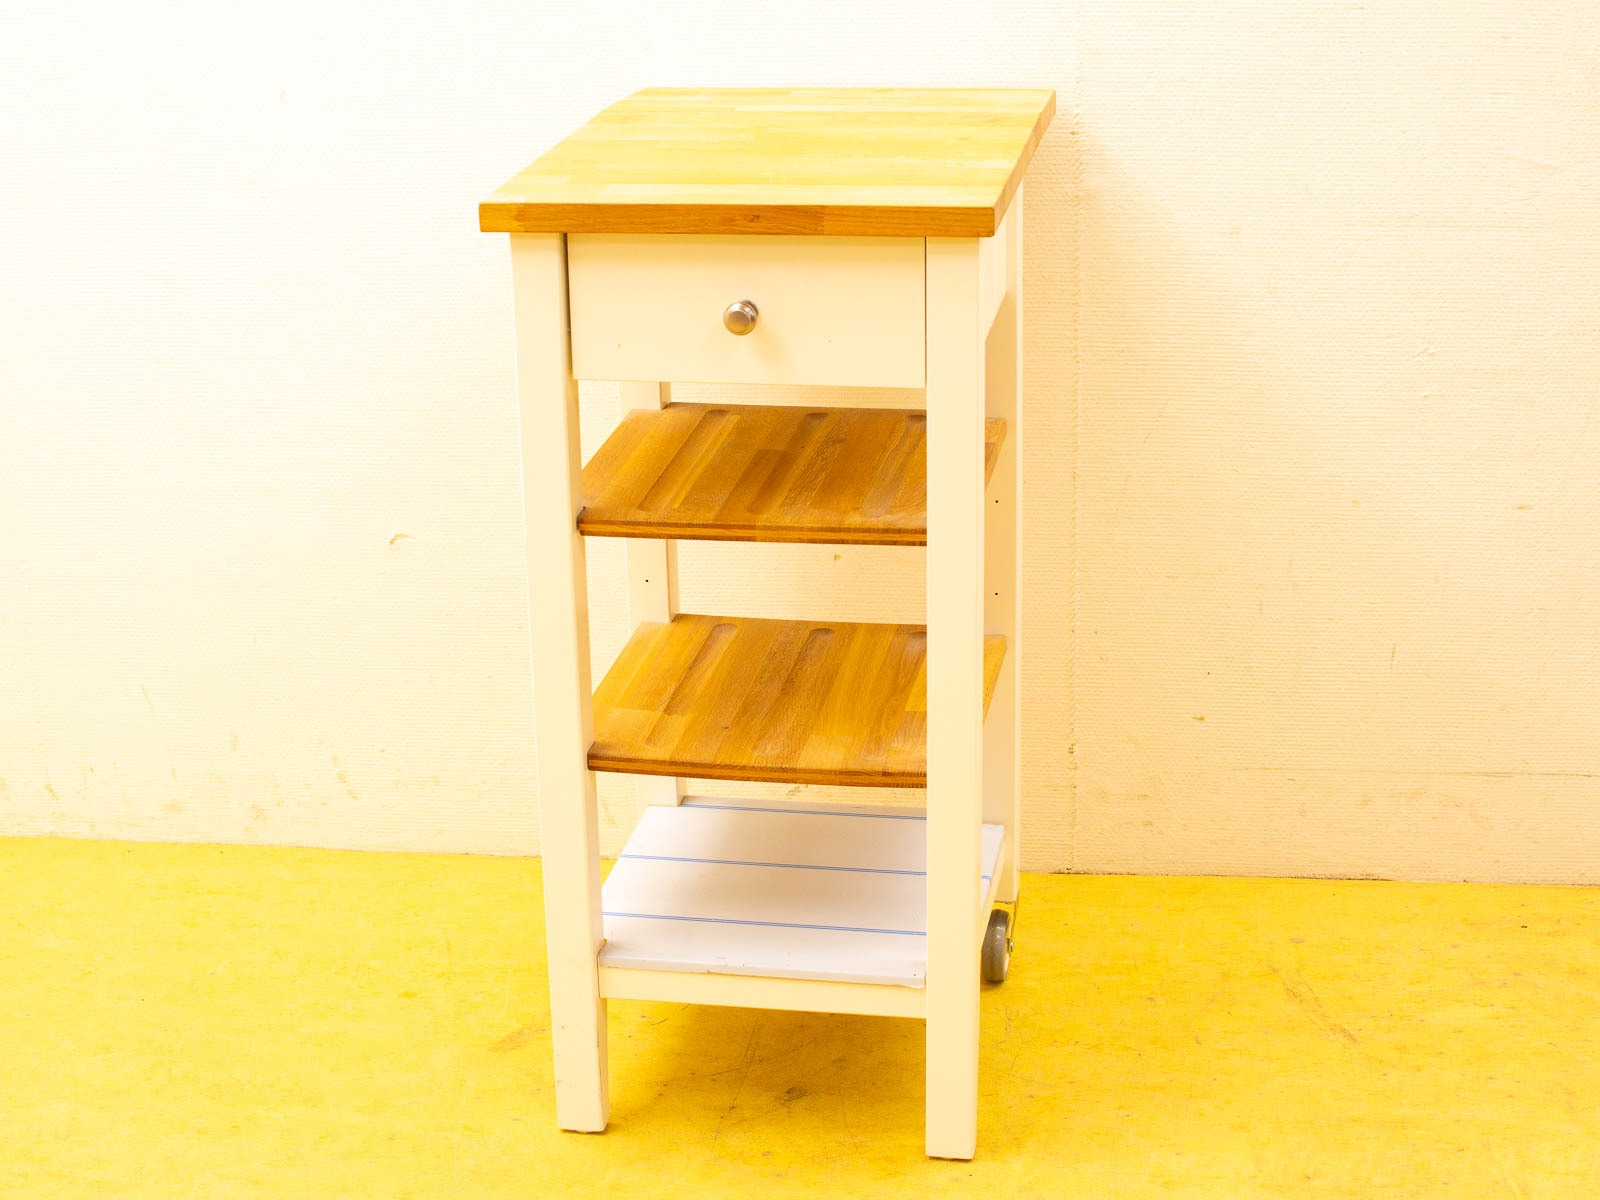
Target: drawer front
(830, 310)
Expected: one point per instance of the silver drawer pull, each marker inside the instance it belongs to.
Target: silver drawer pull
(740, 317)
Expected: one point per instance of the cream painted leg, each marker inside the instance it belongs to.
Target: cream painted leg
(559, 620)
(955, 405)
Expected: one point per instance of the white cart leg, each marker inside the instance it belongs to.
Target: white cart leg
(955, 691)
(652, 585)
(1002, 742)
(562, 695)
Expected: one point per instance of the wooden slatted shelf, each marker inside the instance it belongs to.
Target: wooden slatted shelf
(766, 473)
(780, 701)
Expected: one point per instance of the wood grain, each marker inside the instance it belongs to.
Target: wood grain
(892, 162)
(780, 701)
(766, 473)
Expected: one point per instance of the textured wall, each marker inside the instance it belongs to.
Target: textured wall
(1313, 294)
(1338, 318)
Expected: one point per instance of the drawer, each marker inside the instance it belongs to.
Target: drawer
(830, 310)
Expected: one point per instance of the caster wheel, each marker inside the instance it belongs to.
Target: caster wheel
(997, 947)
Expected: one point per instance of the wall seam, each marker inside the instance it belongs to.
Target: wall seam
(1075, 191)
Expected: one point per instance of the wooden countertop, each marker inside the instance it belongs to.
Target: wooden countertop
(889, 162)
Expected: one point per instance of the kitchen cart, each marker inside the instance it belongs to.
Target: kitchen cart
(854, 237)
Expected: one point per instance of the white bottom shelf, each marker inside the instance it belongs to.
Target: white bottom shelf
(734, 888)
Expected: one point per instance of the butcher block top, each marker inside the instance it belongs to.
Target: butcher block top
(854, 162)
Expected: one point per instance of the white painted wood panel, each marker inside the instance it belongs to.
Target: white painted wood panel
(839, 311)
(1002, 594)
(760, 991)
(994, 279)
(736, 888)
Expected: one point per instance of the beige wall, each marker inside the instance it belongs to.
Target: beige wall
(1338, 318)
(1314, 294)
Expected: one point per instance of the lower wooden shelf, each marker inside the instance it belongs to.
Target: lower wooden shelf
(780, 701)
(730, 887)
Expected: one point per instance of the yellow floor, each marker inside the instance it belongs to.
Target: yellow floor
(238, 1022)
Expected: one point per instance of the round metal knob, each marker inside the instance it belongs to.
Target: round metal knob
(740, 317)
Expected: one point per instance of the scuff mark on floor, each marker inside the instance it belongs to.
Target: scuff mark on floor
(1302, 993)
